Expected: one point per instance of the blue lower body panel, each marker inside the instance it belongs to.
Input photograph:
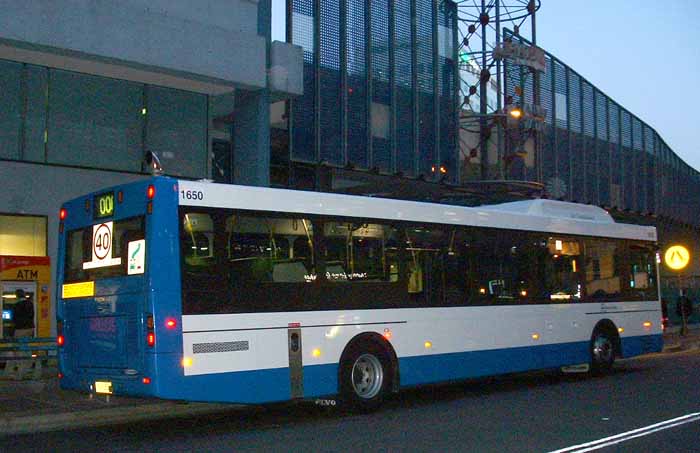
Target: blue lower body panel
(633, 346)
(261, 386)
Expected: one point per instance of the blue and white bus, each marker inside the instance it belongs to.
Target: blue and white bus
(210, 292)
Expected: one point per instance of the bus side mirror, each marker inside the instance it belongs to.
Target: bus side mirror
(153, 163)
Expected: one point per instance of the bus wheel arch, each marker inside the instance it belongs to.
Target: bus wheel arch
(368, 370)
(605, 346)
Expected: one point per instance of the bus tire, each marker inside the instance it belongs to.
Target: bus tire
(365, 377)
(602, 351)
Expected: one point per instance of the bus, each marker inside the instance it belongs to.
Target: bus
(191, 290)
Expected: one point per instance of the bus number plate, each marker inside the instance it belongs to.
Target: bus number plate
(103, 387)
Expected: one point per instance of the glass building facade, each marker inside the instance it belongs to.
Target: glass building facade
(52, 116)
(380, 83)
(595, 151)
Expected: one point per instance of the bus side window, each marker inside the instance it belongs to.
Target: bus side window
(601, 270)
(198, 240)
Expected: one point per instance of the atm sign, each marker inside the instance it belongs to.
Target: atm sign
(103, 205)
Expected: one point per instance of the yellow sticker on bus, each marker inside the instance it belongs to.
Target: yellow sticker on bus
(82, 289)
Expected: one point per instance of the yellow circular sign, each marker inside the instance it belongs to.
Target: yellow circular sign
(677, 257)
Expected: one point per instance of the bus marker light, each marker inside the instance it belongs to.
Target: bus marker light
(151, 192)
(60, 340)
(523, 293)
(428, 345)
(621, 329)
(146, 380)
(186, 362)
(60, 375)
(647, 325)
(535, 336)
(316, 352)
(387, 334)
(62, 214)
(170, 323)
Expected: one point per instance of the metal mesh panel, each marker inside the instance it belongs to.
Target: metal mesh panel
(601, 115)
(403, 73)
(574, 102)
(627, 161)
(426, 87)
(303, 136)
(637, 134)
(381, 88)
(560, 100)
(357, 84)
(546, 91)
(614, 115)
(329, 57)
(588, 110)
(446, 86)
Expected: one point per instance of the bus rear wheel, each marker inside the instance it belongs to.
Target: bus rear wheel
(602, 352)
(365, 377)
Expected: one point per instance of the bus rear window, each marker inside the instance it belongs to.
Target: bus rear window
(79, 248)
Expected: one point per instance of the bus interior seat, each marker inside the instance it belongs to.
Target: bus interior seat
(289, 272)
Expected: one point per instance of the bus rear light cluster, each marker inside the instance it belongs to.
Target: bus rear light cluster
(60, 339)
(150, 331)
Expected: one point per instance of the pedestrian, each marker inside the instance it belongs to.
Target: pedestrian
(24, 315)
(664, 314)
(684, 308)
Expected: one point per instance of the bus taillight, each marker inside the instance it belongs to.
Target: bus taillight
(60, 339)
(150, 333)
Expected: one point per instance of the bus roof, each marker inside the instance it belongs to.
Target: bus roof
(549, 216)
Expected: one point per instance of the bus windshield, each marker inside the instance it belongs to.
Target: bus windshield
(79, 244)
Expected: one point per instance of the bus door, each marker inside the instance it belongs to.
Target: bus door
(425, 248)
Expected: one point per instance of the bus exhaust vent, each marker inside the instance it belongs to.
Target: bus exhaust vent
(229, 346)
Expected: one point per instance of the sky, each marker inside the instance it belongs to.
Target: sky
(644, 54)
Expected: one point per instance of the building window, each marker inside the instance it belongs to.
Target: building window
(94, 122)
(22, 235)
(10, 113)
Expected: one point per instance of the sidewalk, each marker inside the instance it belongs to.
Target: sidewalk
(40, 405)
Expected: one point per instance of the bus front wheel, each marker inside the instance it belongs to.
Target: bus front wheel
(365, 377)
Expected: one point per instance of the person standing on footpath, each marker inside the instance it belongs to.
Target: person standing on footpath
(684, 308)
(24, 315)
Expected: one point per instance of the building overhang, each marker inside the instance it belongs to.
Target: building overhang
(116, 69)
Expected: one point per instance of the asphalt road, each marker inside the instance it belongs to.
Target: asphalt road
(536, 412)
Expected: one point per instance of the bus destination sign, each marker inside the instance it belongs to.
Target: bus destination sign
(103, 205)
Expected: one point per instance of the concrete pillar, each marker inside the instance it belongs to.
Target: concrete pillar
(251, 138)
(251, 124)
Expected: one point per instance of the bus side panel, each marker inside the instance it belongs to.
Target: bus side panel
(256, 386)
(633, 346)
(164, 361)
(426, 369)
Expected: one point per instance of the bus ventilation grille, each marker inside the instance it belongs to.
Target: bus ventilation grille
(228, 346)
